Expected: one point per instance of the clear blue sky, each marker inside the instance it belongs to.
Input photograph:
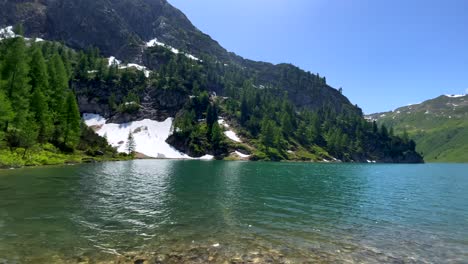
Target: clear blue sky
(384, 54)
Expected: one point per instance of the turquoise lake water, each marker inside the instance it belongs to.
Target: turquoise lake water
(300, 211)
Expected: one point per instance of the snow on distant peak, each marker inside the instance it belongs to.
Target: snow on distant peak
(155, 42)
(455, 95)
(149, 135)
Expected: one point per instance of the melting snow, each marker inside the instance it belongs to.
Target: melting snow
(114, 61)
(155, 42)
(242, 155)
(93, 119)
(232, 135)
(7, 33)
(150, 136)
(223, 123)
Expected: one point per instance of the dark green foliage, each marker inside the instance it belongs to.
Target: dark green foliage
(37, 106)
(42, 117)
(271, 121)
(70, 122)
(438, 126)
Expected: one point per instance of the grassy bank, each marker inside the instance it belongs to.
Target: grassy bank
(42, 156)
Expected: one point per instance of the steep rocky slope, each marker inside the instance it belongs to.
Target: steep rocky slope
(122, 27)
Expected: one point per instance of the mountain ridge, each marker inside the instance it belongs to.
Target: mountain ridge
(218, 104)
(121, 28)
(439, 126)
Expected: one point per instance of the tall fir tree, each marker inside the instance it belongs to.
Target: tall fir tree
(42, 116)
(58, 83)
(70, 122)
(16, 86)
(39, 78)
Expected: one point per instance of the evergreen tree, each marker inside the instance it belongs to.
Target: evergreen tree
(42, 116)
(268, 135)
(39, 78)
(70, 122)
(131, 145)
(216, 136)
(58, 82)
(16, 86)
(6, 113)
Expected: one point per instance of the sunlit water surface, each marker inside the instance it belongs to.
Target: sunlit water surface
(325, 212)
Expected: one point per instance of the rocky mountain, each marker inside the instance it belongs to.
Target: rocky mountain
(121, 28)
(439, 126)
(139, 69)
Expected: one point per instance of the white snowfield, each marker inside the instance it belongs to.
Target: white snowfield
(149, 135)
(155, 42)
(113, 61)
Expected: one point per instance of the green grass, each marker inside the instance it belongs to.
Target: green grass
(439, 130)
(40, 157)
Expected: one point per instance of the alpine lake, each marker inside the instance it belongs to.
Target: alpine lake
(175, 211)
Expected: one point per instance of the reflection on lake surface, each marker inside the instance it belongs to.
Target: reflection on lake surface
(196, 211)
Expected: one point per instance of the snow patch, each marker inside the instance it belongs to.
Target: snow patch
(455, 95)
(113, 61)
(149, 135)
(232, 135)
(223, 123)
(155, 42)
(93, 119)
(242, 155)
(7, 32)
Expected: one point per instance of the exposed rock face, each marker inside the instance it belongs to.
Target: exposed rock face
(121, 28)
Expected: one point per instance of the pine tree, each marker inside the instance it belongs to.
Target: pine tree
(39, 78)
(58, 82)
(286, 124)
(268, 134)
(42, 116)
(6, 113)
(131, 145)
(71, 122)
(16, 86)
(216, 136)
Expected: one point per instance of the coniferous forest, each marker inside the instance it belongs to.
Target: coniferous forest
(40, 119)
